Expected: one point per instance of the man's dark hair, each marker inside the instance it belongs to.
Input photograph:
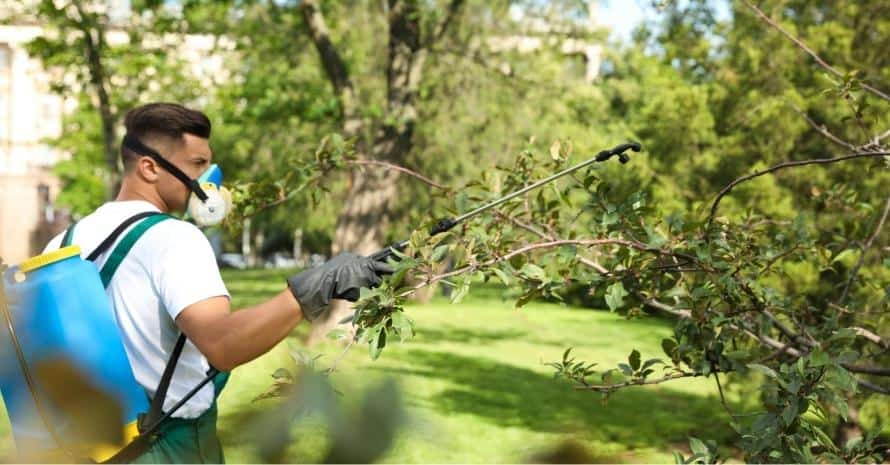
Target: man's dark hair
(156, 121)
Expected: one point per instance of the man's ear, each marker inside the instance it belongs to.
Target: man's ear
(148, 169)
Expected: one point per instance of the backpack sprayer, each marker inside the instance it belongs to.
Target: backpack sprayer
(448, 223)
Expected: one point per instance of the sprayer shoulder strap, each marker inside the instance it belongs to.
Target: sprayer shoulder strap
(123, 247)
(107, 272)
(111, 265)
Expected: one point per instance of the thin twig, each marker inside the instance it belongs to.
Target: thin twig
(786, 330)
(809, 51)
(527, 249)
(342, 354)
(282, 197)
(586, 261)
(400, 169)
(862, 254)
(722, 397)
(778, 257)
(873, 387)
(612, 387)
(867, 370)
(787, 164)
(822, 129)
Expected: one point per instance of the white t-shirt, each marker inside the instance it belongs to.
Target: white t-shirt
(169, 268)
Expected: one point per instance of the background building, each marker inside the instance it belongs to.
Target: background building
(29, 114)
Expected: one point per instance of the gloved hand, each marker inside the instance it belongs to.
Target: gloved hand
(338, 278)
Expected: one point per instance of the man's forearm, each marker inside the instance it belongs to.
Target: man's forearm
(246, 334)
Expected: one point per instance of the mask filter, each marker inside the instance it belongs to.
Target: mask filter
(217, 205)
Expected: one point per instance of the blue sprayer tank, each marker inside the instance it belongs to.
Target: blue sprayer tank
(58, 311)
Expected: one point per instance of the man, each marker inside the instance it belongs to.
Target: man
(169, 282)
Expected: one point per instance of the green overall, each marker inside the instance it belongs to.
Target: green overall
(177, 440)
(181, 440)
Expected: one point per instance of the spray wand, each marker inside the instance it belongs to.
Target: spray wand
(448, 223)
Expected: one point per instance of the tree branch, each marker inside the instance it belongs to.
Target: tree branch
(870, 336)
(766, 340)
(787, 164)
(334, 66)
(401, 169)
(453, 10)
(865, 248)
(808, 50)
(679, 312)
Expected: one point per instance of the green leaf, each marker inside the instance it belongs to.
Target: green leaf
(819, 358)
(504, 277)
(634, 359)
(555, 151)
(764, 369)
(403, 325)
(565, 355)
(439, 253)
(461, 291)
(377, 342)
(789, 414)
(652, 361)
(398, 276)
(847, 257)
(697, 446)
(615, 295)
(669, 345)
(535, 272)
(678, 458)
(626, 369)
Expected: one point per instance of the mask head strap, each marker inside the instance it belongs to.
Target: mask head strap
(135, 145)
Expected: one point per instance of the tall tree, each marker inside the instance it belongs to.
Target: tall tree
(106, 69)
(362, 223)
(80, 28)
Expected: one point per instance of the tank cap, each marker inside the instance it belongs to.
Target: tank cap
(49, 258)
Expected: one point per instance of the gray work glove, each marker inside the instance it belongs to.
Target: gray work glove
(338, 278)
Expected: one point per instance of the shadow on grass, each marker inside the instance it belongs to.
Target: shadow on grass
(512, 396)
(468, 336)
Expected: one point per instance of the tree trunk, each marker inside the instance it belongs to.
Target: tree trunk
(362, 223)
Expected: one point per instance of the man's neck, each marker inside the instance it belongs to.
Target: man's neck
(128, 192)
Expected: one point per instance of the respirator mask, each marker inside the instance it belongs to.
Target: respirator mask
(209, 202)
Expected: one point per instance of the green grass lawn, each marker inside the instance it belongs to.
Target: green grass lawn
(477, 389)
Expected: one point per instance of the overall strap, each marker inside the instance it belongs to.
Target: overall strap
(156, 409)
(120, 252)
